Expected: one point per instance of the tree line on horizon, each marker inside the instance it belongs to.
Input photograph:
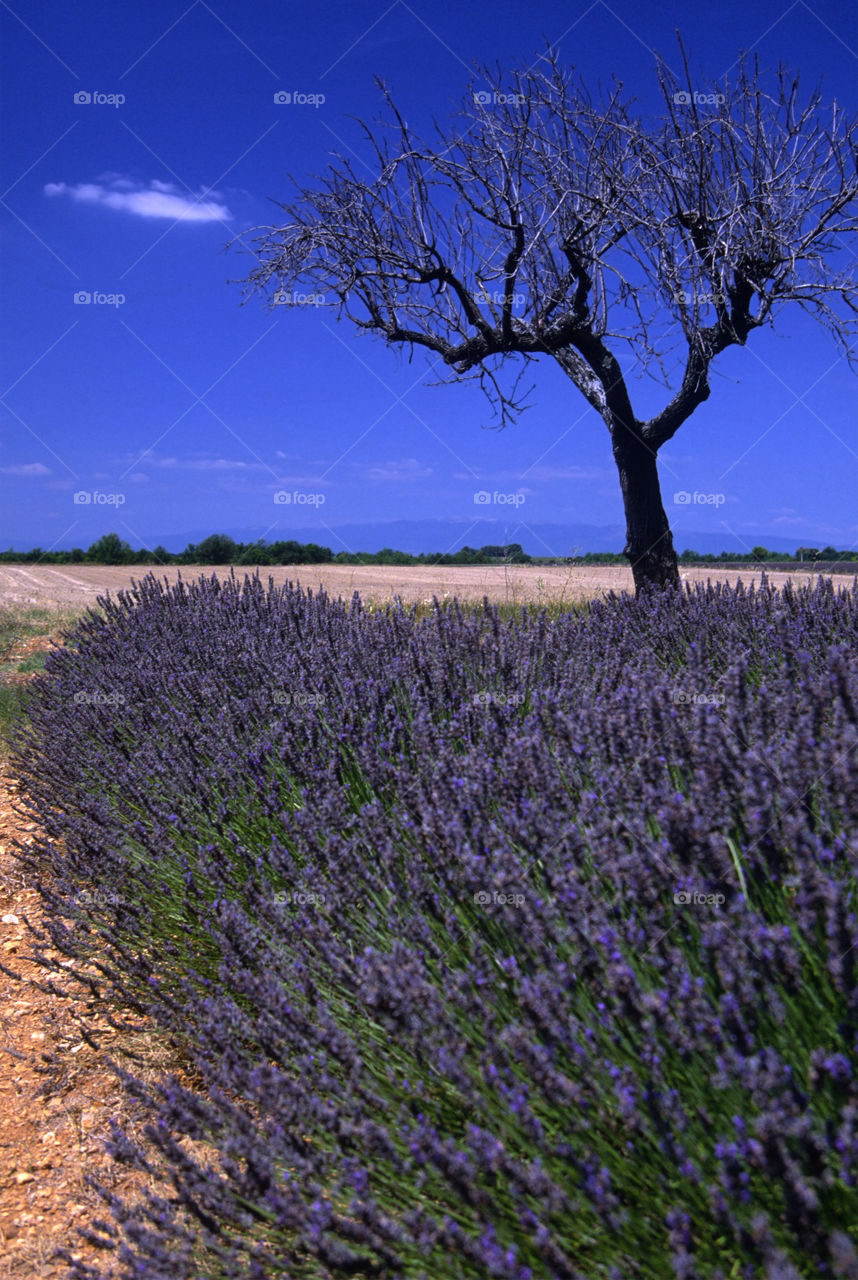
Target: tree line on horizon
(220, 549)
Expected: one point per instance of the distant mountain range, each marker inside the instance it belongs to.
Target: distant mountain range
(442, 536)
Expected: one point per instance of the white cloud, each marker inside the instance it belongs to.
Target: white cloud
(548, 474)
(201, 464)
(117, 180)
(403, 469)
(157, 200)
(789, 516)
(26, 469)
(542, 475)
(223, 464)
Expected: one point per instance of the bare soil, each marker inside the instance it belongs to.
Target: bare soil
(58, 1093)
(55, 1093)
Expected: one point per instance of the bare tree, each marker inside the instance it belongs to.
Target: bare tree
(546, 225)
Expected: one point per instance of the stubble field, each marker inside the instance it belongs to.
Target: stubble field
(81, 585)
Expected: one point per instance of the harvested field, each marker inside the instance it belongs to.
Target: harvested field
(80, 585)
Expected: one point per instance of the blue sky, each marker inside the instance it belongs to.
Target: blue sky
(176, 409)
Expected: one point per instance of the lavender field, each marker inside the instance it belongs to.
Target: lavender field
(517, 948)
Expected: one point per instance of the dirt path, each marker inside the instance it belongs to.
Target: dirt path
(57, 1092)
(55, 1095)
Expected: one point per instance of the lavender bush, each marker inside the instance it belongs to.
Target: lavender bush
(520, 950)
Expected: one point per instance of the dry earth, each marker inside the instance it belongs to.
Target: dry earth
(82, 584)
(57, 1091)
(56, 1094)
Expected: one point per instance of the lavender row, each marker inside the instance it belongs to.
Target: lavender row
(523, 951)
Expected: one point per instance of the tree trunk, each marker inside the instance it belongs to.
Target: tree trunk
(649, 542)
